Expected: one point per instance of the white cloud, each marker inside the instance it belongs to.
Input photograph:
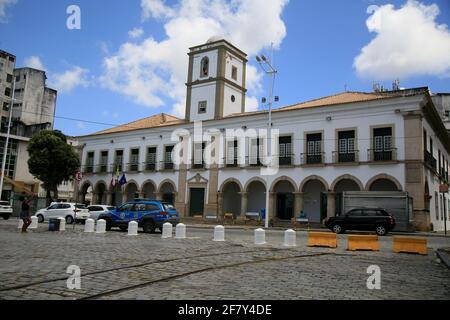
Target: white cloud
(136, 33)
(3, 5)
(251, 104)
(108, 114)
(151, 71)
(81, 125)
(409, 42)
(65, 82)
(34, 62)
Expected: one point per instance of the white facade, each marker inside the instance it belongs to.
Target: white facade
(387, 153)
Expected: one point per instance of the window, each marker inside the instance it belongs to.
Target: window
(204, 71)
(233, 98)
(232, 153)
(168, 163)
(118, 161)
(199, 148)
(134, 160)
(256, 152)
(202, 106)
(314, 148)
(382, 144)
(151, 207)
(104, 161)
(11, 158)
(234, 72)
(436, 205)
(126, 207)
(151, 159)
(355, 213)
(9, 78)
(5, 106)
(90, 162)
(285, 150)
(346, 146)
(8, 92)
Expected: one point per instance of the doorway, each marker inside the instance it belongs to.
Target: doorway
(197, 201)
(285, 206)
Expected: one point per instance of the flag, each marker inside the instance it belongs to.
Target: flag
(113, 180)
(123, 180)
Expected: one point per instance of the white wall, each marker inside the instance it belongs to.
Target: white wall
(213, 63)
(206, 92)
(230, 107)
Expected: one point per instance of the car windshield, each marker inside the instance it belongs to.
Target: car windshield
(110, 208)
(168, 206)
(4, 203)
(80, 206)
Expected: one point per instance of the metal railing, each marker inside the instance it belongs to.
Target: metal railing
(150, 166)
(382, 155)
(313, 158)
(132, 167)
(347, 157)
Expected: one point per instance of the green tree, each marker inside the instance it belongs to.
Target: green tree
(52, 160)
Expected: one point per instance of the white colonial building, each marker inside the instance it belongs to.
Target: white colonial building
(353, 141)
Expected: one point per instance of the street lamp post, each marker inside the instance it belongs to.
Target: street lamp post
(5, 148)
(266, 66)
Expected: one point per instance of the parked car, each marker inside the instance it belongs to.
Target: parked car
(365, 219)
(72, 212)
(149, 215)
(98, 209)
(6, 210)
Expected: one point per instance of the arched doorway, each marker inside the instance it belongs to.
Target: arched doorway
(231, 199)
(149, 190)
(314, 200)
(100, 193)
(86, 193)
(116, 195)
(167, 191)
(344, 185)
(131, 191)
(383, 185)
(256, 196)
(284, 199)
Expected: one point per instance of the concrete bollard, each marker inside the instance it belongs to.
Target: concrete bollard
(180, 231)
(34, 223)
(89, 225)
(133, 228)
(167, 230)
(101, 226)
(260, 236)
(62, 224)
(20, 225)
(219, 233)
(290, 238)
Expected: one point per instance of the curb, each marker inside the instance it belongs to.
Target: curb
(252, 227)
(444, 256)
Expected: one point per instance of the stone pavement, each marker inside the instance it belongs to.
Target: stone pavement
(115, 266)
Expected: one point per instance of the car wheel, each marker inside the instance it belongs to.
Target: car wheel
(6, 216)
(381, 230)
(123, 228)
(337, 229)
(69, 220)
(149, 226)
(40, 218)
(108, 225)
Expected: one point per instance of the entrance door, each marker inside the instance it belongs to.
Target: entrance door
(285, 206)
(197, 201)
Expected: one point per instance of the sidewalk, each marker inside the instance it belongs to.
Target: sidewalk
(315, 229)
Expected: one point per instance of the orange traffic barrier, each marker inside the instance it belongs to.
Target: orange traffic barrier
(410, 245)
(322, 239)
(363, 242)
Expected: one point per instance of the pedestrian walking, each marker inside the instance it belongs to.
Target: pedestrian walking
(25, 213)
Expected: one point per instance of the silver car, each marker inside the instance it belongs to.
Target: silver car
(6, 210)
(98, 209)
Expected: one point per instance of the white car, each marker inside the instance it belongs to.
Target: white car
(72, 212)
(98, 209)
(6, 210)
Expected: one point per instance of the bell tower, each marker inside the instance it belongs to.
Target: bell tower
(216, 81)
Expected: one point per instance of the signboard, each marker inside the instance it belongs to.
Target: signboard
(443, 188)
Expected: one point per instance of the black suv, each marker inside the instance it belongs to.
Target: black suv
(366, 219)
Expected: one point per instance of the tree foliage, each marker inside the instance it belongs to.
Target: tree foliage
(52, 160)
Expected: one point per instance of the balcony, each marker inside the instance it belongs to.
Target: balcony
(133, 167)
(231, 162)
(102, 168)
(346, 157)
(150, 166)
(286, 159)
(430, 161)
(316, 158)
(167, 165)
(88, 169)
(116, 167)
(377, 155)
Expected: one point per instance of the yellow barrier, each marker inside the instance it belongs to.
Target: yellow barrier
(363, 242)
(410, 245)
(322, 239)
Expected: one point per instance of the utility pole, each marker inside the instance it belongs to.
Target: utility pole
(266, 66)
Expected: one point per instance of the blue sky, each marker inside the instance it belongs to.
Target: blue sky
(317, 44)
